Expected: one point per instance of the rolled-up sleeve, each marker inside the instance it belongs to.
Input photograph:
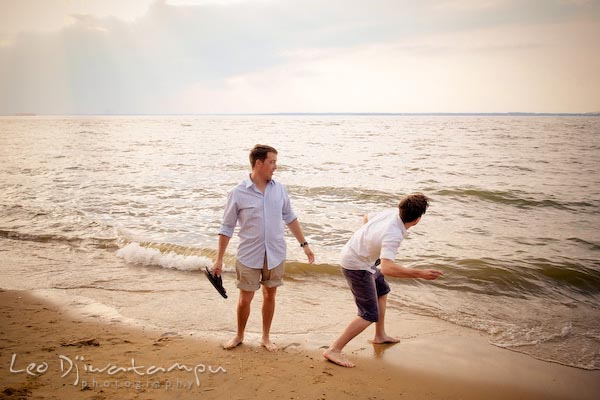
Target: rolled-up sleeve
(230, 216)
(389, 247)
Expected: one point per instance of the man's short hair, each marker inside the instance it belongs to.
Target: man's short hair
(260, 152)
(413, 206)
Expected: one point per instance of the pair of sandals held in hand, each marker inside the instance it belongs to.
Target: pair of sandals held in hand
(216, 281)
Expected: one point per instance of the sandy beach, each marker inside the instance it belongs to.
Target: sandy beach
(46, 352)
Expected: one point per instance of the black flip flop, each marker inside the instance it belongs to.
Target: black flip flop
(216, 281)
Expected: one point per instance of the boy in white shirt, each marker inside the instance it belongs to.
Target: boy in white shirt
(376, 243)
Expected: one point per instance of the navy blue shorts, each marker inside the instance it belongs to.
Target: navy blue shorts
(367, 288)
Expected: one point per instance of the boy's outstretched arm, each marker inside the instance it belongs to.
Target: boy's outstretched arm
(390, 268)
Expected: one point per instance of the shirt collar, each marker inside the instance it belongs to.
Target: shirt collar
(401, 225)
(248, 182)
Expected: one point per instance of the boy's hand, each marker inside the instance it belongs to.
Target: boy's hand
(431, 274)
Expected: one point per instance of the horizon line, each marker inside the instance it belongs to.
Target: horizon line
(511, 113)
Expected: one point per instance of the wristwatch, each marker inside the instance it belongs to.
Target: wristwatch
(303, 244)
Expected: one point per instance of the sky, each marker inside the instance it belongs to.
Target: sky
(306, 56)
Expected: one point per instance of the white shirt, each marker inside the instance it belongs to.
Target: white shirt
(261, 219)
(380, 237)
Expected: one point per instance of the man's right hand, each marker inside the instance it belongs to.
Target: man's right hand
(217, 268)
(431, 274)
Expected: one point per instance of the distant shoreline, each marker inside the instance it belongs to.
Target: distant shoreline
(324, 114)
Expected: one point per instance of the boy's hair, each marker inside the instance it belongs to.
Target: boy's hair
(259, 152)
(413, 206)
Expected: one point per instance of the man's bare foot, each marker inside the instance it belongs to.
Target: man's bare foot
(233, 343)
(267, 344)
(385, 339)
(338, 358)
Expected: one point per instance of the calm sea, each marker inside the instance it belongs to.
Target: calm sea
(116, 216)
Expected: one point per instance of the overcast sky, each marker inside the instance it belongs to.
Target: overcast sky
(255, 56)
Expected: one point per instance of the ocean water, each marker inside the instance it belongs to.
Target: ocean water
(117, 216)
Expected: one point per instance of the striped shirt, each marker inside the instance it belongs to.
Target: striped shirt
(261, 219)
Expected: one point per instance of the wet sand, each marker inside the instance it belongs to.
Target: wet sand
(47, 352)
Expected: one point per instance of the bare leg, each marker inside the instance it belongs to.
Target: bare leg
(380, 335)
(243, 312)
(268, 310)
(334, 352)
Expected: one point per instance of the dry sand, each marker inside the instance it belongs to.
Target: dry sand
(118, 362)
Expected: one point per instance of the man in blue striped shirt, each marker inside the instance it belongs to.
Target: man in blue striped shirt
(262, 207)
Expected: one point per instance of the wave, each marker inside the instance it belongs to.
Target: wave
(516, 276)
(103, 243)
(330, 194)
(55, 225)
(185, 258)
(300, 269)
(514, 198)
(591, 245)
(137, 254)
(564, 280)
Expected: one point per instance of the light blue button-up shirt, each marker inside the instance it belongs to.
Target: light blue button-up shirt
(262, 220)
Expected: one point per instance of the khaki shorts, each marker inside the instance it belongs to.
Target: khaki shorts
(249, 279)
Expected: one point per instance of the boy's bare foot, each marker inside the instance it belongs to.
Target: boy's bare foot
(385, 339)
(233, 343)
(270, 346)
(338, 358)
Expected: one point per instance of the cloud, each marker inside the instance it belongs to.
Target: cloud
(339, 55)
(542, 68)
(51, 15)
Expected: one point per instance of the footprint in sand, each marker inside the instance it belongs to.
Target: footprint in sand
(166, 337)
(82, 343)
(290, 346)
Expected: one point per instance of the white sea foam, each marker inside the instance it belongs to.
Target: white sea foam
(137, 254)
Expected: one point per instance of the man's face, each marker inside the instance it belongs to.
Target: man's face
(269, 166)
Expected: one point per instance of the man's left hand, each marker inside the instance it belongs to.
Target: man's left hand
(309, 254)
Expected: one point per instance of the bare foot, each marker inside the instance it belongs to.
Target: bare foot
(338, 358)
(384, 339)
(267, 344)
(233, 343)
